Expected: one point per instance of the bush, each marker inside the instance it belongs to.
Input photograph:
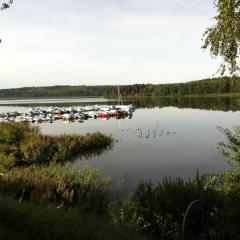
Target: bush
(159, 210)
(11, 135)
(227, 185)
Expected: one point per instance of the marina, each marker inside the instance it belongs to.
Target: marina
(73, 113)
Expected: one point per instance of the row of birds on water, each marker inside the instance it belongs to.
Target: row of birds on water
(148, 132)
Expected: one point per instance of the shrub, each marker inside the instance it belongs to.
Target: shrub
(159, 210)
(227, 185)
(11, 135)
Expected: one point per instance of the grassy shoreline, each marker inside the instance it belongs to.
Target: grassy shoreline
(42, 198)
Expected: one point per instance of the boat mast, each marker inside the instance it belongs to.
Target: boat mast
(120, 101)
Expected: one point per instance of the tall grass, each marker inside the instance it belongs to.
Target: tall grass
(28, 221)
(39, 149)
(87, 189)
(30, 168)
(23, 145)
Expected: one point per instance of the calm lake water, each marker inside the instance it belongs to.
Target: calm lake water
(164, 137)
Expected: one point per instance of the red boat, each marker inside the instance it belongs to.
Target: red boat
(103, 115)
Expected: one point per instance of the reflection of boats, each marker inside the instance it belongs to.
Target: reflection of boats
(68, 116)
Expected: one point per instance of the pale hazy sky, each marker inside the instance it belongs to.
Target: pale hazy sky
(94, 42)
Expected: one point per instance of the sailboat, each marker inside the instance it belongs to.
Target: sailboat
(129, 109)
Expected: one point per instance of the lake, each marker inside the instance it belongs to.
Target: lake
(164, 137)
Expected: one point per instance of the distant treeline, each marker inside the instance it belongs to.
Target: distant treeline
(202, 87)
(53, 91)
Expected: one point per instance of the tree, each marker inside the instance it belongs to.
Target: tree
(4, 6)
(223, 38)
(231, 148)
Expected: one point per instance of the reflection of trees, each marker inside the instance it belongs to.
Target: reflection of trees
(92, 153)
(208, 103)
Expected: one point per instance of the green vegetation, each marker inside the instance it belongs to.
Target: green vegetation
(56, 202)
(86, 189)
(53, 91)
(52, 200)
(22, 145)
(159, 210)
(203, 87)
(32, 168)
(223, 38)
(216, 86)
(28, 221)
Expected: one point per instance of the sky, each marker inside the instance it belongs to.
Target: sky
(99, 42)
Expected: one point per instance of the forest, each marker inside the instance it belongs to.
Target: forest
(202, 87)
(53, 91)
(221, 85)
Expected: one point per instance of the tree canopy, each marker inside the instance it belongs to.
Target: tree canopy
(5, 5)
(223, 38)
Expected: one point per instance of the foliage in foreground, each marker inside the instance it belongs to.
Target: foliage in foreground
(31, 170)
(86, 189)
(155, 210)
(159, 210)
(21, 144)
(28, 221)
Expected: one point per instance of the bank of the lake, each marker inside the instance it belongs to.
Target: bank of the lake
(46, 191)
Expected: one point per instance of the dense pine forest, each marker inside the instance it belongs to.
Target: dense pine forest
(208, 86)
(202, 87)
(53, 91)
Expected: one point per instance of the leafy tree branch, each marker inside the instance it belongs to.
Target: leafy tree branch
(223, 38)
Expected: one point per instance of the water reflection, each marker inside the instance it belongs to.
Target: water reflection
(92, 153)
(207, 103)
(165, 137)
